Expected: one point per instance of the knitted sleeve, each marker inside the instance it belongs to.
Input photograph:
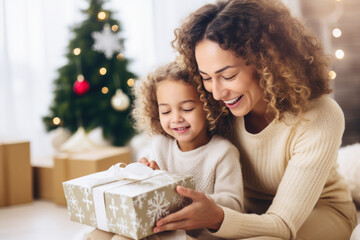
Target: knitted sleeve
(228, 184)
(313, 153)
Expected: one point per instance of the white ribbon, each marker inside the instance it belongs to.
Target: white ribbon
(133, 171)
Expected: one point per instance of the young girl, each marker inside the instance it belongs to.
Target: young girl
(167, 106)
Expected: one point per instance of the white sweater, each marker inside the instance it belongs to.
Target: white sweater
(286, 169)
(215, 167)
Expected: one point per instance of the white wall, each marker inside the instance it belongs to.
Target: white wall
(33, 39)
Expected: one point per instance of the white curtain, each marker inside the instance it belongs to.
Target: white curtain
(33, 39)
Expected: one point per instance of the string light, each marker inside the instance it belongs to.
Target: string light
(120, 56)
(130, 82)
(104, 90)
(77, 51)
(336, 32)
(332, 75)
(114, 28)
(102, 16)
(56, 120)
(103, 71)
(339, 54)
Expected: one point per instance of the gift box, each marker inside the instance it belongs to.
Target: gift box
(72, 165)
(129, 206)
(43, 172)
(15, 173)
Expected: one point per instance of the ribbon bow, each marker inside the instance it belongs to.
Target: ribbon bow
(132, 171)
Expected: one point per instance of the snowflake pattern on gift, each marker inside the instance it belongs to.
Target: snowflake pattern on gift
(178, 200)
(111, 225)
(70, 189)
(93, 220)
(134, 213)
(157, 207)
(139, 200)
(121, 224)
(141, 228)
(86, 199)
(80, 214)
(124, 206)
(113, 207)
(72, 202)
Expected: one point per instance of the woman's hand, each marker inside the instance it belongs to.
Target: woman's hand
(202, 213)
(152, 164)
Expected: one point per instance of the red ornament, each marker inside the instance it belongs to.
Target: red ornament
(81, 86)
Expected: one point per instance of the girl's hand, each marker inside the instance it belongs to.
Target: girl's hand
(202, 213)
(152, 164)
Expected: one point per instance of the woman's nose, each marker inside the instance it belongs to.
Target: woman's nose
(218, 90)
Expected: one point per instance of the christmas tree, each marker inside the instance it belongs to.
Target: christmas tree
(93, 89)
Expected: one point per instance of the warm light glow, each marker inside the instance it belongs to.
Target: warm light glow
(77, 51)
(102, 71)
(339, 54)
(120, 56)
(80, 77)
(332, 75)
(114, 28)
(101, 16)
(104, 90)
(56, 120)
(130, 82)
(336, 32)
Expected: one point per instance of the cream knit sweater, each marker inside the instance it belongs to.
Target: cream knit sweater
(214, 166)
(286, 169)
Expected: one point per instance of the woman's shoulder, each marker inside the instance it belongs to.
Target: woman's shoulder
(323, 114)
(325, 107)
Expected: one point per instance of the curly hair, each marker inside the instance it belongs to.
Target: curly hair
(145, 111)
(289, 60)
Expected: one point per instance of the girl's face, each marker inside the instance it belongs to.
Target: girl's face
(229, 79)
(181, 114)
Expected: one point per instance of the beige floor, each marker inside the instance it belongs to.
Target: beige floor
(40, 220)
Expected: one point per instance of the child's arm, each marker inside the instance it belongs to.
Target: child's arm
(228, 188)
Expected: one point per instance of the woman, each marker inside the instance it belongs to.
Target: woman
(271, 73)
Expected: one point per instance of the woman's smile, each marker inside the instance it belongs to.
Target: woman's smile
(233, 102)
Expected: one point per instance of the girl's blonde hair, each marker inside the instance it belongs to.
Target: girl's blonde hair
(145, 112)
(289, 61)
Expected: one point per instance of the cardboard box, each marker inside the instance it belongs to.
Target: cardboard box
(43, 171)
(126, 207)
(70, 166)
(15, 173)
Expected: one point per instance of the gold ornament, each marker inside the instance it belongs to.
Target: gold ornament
(120, 101)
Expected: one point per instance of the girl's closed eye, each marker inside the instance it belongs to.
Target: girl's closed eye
(165, 112)
(188, 109)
